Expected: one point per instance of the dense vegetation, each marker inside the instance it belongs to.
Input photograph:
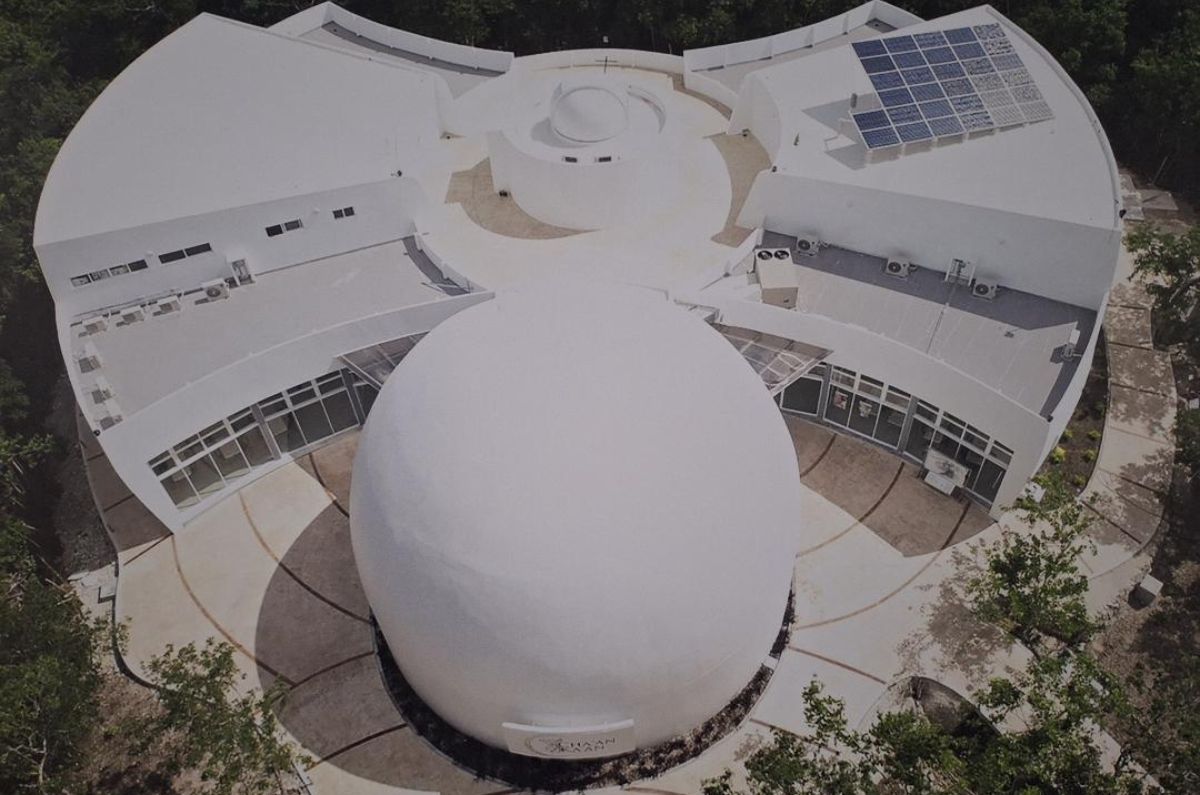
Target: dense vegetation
(1137, 60)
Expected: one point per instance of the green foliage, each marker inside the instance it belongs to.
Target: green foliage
(48, 665)
(1048, 745)
(1169, 266)
(1068, 435)
(1095, 434)
(1031, 583)
(233, 740)
(1089, 455)
(1058, 455)
(1165, 733)
(1187, 440)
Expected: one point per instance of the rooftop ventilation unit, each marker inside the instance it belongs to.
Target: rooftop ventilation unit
(985, 289)
(960, 271)
(1071, 349)
(133, 314)
(808, 246)
(778, 277)
(215, 290)
(901, 270)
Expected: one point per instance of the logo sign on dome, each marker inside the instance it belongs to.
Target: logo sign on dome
(588, 742)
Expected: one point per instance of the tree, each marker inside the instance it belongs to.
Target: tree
(234, 741)
(1051, 714)
(1169, 266)
(1031, 583)
(1187, 441)
(49, 674)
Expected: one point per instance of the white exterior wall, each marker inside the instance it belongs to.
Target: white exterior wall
(131, 444)
(1066, 262)
(383, 211)
(1021, 430)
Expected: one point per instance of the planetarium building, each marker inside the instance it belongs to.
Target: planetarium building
(568, 299)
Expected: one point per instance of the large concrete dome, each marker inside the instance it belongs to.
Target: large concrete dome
(576, 509)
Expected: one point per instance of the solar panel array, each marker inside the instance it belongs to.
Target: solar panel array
(946, 83)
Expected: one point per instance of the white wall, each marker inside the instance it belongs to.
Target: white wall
(586, 194)
(1067, 262)
(930, 379)
(383, 211)
(132, 443)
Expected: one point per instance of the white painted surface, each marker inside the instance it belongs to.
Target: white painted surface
(571, 547)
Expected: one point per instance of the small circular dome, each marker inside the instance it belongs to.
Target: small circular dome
(576, 506)
(589, 114)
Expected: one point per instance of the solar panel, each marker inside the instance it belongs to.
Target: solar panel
(949, 71)
(921, 75)
(927, 92)
(914, 132)
(993, 99)
(1037, 111)
(897, 96)
(871, 120)
(885, 80)
(881, 63)
(905, 114)
(932, 110)
(908, 60)
(947, 125)
(878, 139)
(871, 47)
(960, 35)
(900, 44)
(1007, 116)
(943, 83)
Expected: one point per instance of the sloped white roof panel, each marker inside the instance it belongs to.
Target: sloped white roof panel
(221, 114)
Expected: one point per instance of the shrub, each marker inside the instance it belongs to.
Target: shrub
(1079, 481)
(1094, 434)
(1058, 455)
(1089, 455)
(1068, 435)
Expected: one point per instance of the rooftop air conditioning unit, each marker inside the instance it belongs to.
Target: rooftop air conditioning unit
(985, 289)
(101, 391)
(133, 314)
(95, 325)
(88, 359)
(807, 246)
(165, 306)
(900, 270)
(215, 290)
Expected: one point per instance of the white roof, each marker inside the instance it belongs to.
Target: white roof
(220, 115)
(1055, 169)
(147, 361)
(549, 514)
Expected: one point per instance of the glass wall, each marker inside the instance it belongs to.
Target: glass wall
(867, 407)
(205, 463)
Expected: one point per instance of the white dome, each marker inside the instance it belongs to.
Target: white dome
(589, 113)
(573, 506)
